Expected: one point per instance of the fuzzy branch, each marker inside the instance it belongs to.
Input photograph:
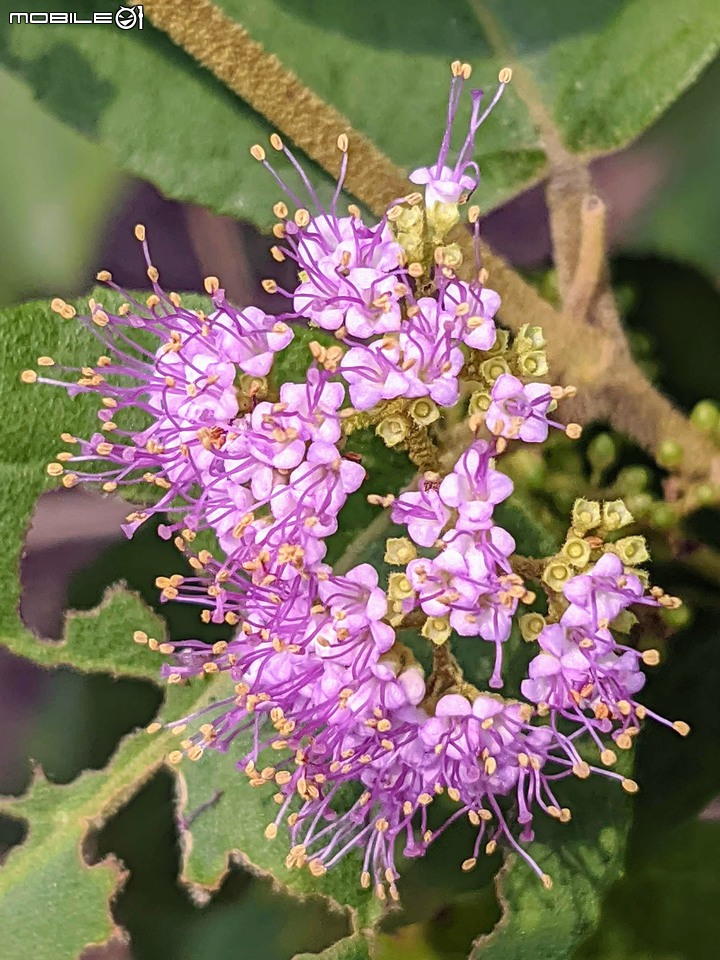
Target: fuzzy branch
(586, 345)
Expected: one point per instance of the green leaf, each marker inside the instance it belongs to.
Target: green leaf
(227, 819)
(50, 867)
(350, 948)
(582, 857)
(595, 76)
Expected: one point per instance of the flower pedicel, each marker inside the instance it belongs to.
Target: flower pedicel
(323, 693)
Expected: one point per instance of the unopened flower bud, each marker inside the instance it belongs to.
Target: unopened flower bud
(704, 494)
(441, 218)
(557, 573)
(531, 625)
(669, 454)
(631, 550)
(393, 430)
(576, 551)
(494, 367)
(450, 256)
(705, 416)
(529, 339)
(532, 364)
(677, 618)
(585, 515)
(424, 411)
(663, 516)
(437, 629)
(633, 479)
(399, 551)
(399, 587)
(616, 515)
(479, 403)
(602, 451)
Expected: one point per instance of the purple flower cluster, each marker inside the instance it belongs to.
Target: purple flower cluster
(327, 703)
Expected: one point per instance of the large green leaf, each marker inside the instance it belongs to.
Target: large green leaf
(596, 74)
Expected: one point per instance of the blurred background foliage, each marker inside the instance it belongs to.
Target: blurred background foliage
(61, 200)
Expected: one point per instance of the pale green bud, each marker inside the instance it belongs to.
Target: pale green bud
(585, 515)
(705, 416)
(616, 515)
(442, 217)
(557, 573)
(479, 402)
(411, 220)
(631, 550)
(399, 587)
(663, 516)
(399, 551)
(452, 256)
(531, 625)
(532, 364)
(437, 629)
(633, 479)
(602, 451)
(424, 411)
(576, 551)
(393, 430)
(529, 339)
(494, 367)
(669, 454)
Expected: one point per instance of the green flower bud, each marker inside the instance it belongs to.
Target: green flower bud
(399, 551)
(424, 411)
(413, 246)
(411, 220)
(437, 629)
(602, 451)
(705, 416)
(557, 573)
(631, 550)
(624, 621)
(452, 256)
(494, 367)
(585, 515)
(399, 587)
(663, 516)
(633, 479)
(669, 454)
(576, 551)
(639, 504)
(529, 339)
(531, 624)
(616, 515)
(479, 402)
(679, 618)
(532, 364)
(441, 218)
(704, 494)
(393, 430)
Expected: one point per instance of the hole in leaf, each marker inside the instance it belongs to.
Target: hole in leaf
(246, 919)
(12, 834)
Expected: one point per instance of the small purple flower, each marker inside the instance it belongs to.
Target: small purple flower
(519, 410)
